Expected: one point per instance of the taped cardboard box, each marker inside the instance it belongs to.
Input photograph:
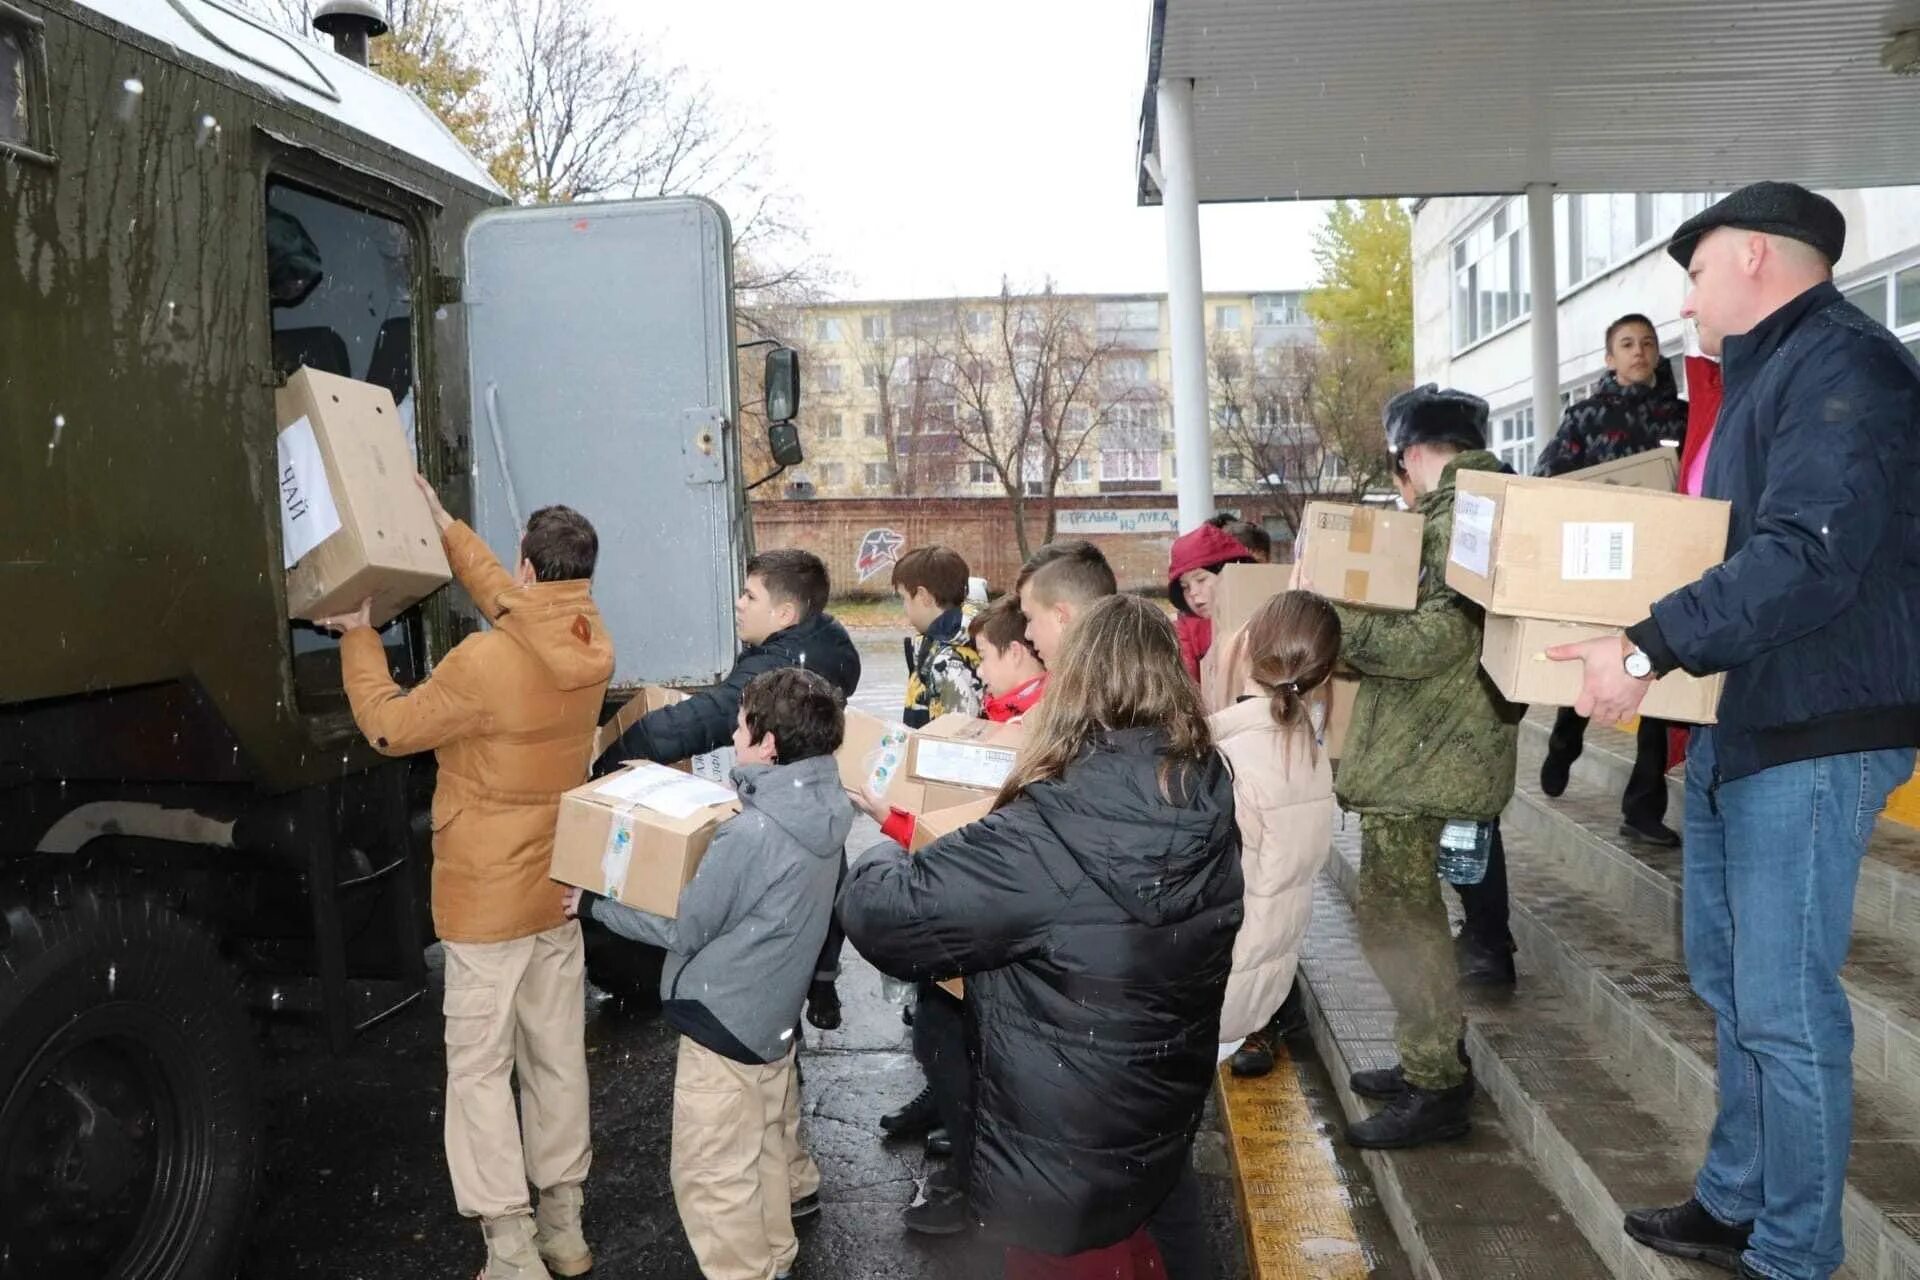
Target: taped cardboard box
(1362, 555)
(1514, 654)
(637, 836)
(1657, 469)
(1602, 554)
(1341, 692)
(873, 754)
(1240, 592)
(963, 751)
(645, 699)
(352, 525)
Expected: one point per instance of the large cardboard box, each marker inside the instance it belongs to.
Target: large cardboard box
(1514, 653)
(1242, 589)
(1655, 469)
(1533, 548)
(1340, 695)
(963, 751)
(352, 524)
(637, 836)
(873, 754)
(1362, 555)
(647, 698)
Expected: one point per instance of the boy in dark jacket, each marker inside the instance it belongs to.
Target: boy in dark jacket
(1635, 409)
(750, 923)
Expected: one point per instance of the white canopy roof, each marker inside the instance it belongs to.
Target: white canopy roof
(1316, 99)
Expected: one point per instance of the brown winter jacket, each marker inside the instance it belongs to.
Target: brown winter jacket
(510, 714)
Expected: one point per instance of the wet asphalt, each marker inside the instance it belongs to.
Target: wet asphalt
(356, 1187)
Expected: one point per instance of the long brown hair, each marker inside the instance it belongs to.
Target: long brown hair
(1120, 669)
(1293, 641)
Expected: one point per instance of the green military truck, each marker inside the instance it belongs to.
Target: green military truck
(191, 832)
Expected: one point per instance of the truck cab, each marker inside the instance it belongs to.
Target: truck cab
(193, 205)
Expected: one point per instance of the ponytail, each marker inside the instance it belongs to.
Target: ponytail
(1294, 642)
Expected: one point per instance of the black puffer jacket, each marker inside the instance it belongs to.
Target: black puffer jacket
(704, 722)
(1813, 615)
(1094, 921)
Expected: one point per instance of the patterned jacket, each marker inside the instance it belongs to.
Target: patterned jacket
(943, 672)
(1615, 422)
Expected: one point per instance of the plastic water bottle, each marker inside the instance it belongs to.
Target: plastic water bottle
(895, 990)
(1464, 850)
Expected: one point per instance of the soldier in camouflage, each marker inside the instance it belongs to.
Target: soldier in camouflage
(1431, 740)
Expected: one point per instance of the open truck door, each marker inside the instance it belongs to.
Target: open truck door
(601, 367)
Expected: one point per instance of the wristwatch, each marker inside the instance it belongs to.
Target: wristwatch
(1638, 664)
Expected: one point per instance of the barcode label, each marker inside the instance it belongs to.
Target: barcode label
(1597, 551)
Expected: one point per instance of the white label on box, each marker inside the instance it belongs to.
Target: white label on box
(1596, 551)
(663, 790)
(308, 516)
(715, 767)
(964, 764)
(1472, 546)
(616, 857)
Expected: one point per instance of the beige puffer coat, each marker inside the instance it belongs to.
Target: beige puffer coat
(1283, 800)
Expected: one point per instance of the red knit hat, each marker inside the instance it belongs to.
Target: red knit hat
(1207, 547)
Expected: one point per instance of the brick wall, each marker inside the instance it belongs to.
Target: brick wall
(981, 529)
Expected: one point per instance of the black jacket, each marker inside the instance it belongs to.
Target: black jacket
(1615, 422)
(1814, 613)
(704, 722)
(1094, 921)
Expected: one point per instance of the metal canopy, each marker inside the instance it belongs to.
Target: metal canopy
(1317, 99)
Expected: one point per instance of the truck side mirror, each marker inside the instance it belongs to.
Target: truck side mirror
(783, 441)
(783, 384)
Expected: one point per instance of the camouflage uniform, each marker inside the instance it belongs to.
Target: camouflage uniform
(943, 674)
(1431, 740)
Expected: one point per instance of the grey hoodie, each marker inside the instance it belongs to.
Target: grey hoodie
(752, 920)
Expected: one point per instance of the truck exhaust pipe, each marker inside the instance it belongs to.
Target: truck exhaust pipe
(353, 24)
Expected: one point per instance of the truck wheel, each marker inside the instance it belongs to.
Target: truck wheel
(626, 970)
(129, 1117)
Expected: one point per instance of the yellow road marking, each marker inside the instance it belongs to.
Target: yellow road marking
(1297, 1213)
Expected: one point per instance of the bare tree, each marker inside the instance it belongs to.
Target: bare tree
(1031, 388)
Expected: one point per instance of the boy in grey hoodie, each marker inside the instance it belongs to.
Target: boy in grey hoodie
(739, 956)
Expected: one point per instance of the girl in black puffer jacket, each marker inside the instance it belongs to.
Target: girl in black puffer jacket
(1093, 915)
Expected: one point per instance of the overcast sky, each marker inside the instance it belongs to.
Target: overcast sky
(937, 147)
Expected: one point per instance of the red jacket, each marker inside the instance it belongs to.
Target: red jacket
(1704, 392)
(1207, 547)
(1001, 710)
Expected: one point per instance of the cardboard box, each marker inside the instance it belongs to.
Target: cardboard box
(1362, 555)
(1574, 552)
(648, 697)
(964, 751)
(352, 524)
(637, 836)
(873, 755)
(1240, 592)
(1514, 654)
(1655, 469)
(1340, 695)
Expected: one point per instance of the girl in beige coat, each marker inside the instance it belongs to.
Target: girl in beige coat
(1283, 798)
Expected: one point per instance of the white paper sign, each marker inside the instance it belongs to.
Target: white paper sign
(1596, 551)
(964, 764)
(308, 516)
(663, 790)
(1472, 546)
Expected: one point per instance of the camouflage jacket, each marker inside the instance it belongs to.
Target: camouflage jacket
(1430, 735)
(943, 673)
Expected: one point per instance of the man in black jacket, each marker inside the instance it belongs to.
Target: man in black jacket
(1812, 617)
(1635, 409)
(782, 620)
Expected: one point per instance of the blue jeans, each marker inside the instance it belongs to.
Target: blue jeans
(1772, 860)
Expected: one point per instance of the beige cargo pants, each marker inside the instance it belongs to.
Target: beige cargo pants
(738, 1162)
(516, 1009)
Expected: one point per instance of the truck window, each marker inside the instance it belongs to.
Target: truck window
(340, 286)
(13, 85)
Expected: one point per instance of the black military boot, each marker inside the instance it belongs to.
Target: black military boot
(823, 1004)
(918, 1118)
(1689, 1231)
(1483, 964)
(1254, 1057)
(1383, 1084)
(1415, 1117)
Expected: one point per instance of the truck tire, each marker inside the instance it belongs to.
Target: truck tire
(130, 1137)
(626, 970)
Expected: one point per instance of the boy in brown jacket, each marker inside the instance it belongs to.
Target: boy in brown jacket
(510, 714)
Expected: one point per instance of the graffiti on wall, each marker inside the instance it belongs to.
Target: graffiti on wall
(879, 548)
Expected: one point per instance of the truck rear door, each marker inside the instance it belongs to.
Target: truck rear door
(601, 366)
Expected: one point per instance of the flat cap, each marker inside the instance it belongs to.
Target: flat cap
(1777, 208)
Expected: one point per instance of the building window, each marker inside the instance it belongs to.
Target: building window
(1228, 466)
(1490, 275)
(873, 328)
(831, 425)
(826, 329)
(979, 322)
(870, 377)
(1130, 371)
(1871, 297)
(978, 473)
(870, 426)
(902, 421)
(1598, 232)
(1112, 317)
(1227, 319)
(832, 474)
(1279, 310)
(1906, 297)
(879, 475)
(1129, 464)
(830, 378)
(1078, 471)
(1513, 438)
